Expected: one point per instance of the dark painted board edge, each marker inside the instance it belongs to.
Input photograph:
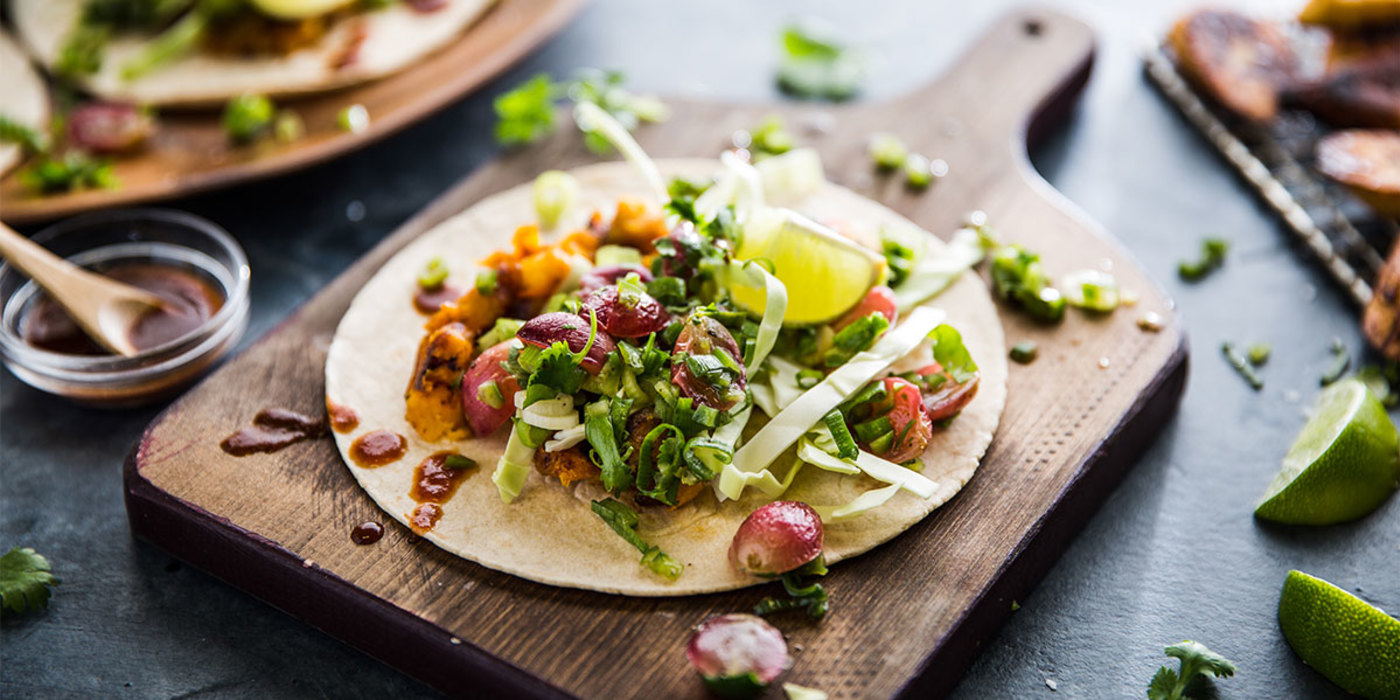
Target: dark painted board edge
(327, 602)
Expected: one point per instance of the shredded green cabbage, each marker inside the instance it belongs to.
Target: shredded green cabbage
(867, 501)
(592, 118)
(794, 421)
(740, 186)
(792, 176)
(751, 274)
(514, 467)
(934, 272)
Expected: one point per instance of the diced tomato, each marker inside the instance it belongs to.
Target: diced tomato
(911, 424)
(878, 300)
(949, 397)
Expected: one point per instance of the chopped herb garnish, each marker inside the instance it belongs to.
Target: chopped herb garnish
(1258, 354)
(288, 126)
(490, 394)
(808, 378)
(458, 462)
(1213, 252)
(1196, 660)
(598, 428)
(1018, 276)
(899, 258)
(888, 152)
(1341, 362)
(1024, 352)
(555, 193)
(28, 139)
(845, 444)
(354, 119)
(25, 580)
(504, 329)
(433, 276)
(952, 354)
(623, 521)
(247, 117)
(72, 171)
(1241, 365)
(812, 598)
(1091, 290)
(814, 66)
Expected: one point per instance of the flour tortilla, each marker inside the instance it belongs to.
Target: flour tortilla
(25, 101)
(393, 38)
(549, 534)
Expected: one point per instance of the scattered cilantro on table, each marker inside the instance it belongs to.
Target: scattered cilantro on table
(25, 579)
(526, 114)
(1196, 660)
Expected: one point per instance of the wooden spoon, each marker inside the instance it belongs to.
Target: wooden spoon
(105, 309)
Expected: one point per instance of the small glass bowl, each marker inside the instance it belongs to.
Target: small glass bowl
(134, 235)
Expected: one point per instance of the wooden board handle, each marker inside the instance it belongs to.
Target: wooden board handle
(1029, 64)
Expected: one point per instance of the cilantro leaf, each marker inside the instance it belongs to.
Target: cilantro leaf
(25, 578)
(526, 113)
(1196, 660)
(815, 66)
(558, 369)
(949, 351)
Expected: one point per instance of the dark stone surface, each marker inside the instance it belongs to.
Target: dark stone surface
(1173, 554)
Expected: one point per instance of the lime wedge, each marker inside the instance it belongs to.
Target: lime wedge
(1351, 642)
(1342, 466)
(826, 274)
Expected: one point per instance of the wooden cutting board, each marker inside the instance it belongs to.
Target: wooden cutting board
(907, 618)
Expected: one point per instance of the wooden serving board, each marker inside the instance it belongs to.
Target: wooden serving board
(190, 152)
(907, 617)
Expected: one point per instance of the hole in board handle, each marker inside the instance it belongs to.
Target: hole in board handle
(1032, 27)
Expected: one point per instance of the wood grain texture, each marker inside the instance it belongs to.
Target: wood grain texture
(190, 152)
(908, 617)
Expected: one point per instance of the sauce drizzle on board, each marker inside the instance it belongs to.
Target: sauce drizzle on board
(191, 299)
(367, 532)
(272, 430)
(378, 448)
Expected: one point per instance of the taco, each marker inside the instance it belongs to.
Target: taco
(633, 375)
(24, 114)
(203, 52)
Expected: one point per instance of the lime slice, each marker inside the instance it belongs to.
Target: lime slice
(1355, 644)
(1342, 466)
(297, 9)
(826, 274)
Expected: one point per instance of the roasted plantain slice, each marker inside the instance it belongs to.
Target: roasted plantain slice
(1364, 92)
(1368, 162)
(1351, 15)
(1241, 62)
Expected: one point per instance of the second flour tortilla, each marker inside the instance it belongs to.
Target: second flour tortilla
(549, 534)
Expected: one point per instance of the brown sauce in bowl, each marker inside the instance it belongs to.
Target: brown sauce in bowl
(191, 299)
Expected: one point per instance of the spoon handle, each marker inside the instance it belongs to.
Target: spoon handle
(80, 292)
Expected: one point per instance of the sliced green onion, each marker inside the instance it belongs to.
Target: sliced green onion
(918, 173)
(353, 119)
(490, 394)
(555, 194)
(504, 329)
(1092, 290)
(179, 39)
(624, 521)
(1258, 354)
(880, 444)
(599, 429)
(611, 255)
(845, 444)
(1341, 361)
(873, 428)
(1023, 352)
(949, 351)
(433, 276)
(808, 378)
(486, 282)
(458, 462)
(1213, 252)
(887, 151)
(751, 274)
(1243, 368)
